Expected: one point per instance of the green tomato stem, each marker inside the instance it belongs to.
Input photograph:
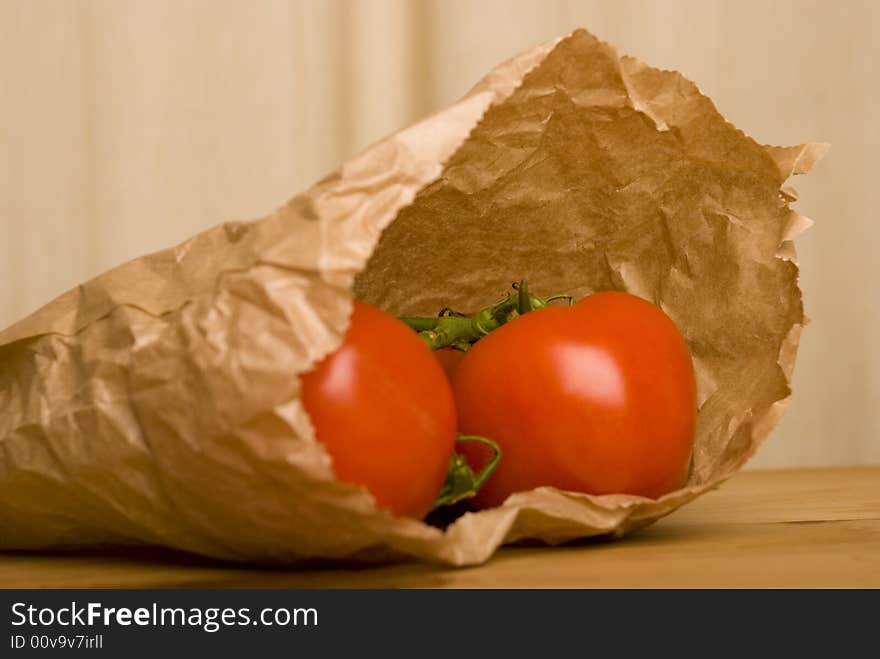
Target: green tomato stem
(420, 324)
(460, 331)
(461, 481)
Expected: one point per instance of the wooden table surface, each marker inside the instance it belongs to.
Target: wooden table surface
(804, 528)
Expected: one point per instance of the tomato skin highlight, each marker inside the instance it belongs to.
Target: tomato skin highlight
(599, 397)
(383, 408)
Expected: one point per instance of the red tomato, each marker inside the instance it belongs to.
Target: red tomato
(449, 359)
(599, 398)
(382, 406)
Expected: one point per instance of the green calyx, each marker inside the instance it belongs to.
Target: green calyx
(461, 481)
(457, 330)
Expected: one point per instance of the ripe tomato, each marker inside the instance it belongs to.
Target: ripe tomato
(449, 359)
(598, 397)
(382, 406)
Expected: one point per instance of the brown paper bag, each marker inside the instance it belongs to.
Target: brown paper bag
(159, 403)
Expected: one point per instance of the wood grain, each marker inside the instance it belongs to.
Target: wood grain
(815, 528)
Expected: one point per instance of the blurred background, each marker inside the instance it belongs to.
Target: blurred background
(128, 125)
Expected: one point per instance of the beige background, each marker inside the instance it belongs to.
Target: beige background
(127, 126)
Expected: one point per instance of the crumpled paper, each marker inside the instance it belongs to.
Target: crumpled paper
(159, 403)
